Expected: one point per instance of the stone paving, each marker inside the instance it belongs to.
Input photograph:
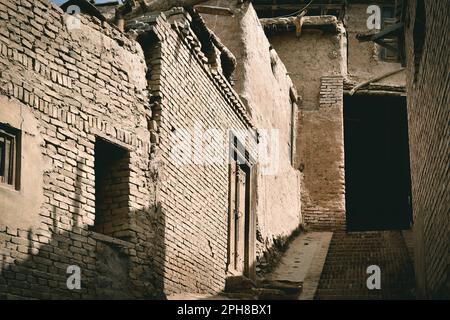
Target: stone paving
(344, 275)
(303, 262)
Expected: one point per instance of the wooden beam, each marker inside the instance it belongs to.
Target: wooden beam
(134, 9)
(386, 32)
(377, 87)
(218, 11)
(376, 93)
(378, 78)
(295, 7)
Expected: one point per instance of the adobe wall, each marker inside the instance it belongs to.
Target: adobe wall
(316, 61)
(66, 88)
(267, 91)
(194, 108)
(364, 58)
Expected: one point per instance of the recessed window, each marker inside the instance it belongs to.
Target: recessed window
(388, 20)
(9, 156)
(390, 55)
(112, 174)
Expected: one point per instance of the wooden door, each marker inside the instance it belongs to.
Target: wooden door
(240, 217)
(238, 220)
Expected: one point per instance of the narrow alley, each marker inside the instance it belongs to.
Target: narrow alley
(224, 149)
(334, 265)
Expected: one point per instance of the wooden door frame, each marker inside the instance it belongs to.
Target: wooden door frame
(240, 157)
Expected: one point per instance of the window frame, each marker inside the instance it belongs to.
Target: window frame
(387, 55)
(10, 177)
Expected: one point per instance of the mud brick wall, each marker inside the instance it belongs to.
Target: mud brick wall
(323, 203)
(317, 63)
(428, 86)
(63, 89)
(270, 96)
(364, 58)
(189, 98)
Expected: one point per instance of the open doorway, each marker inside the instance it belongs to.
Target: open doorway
(377, 169)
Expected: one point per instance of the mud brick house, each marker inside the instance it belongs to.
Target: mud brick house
(162, 150)
(90, 119)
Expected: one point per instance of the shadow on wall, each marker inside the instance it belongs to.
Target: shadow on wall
(33, 264)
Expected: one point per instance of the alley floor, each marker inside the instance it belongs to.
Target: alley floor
(334, 266)
(301, 263)
(304, 261)
(344, 274)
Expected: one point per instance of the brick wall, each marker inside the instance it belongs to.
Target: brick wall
(190, 98)
(428, 117)
(325, 160)
(74, 86)
(164, 227)
(270, 96)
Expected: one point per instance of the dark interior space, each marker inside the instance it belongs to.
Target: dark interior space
(111, 188)
(377, 171)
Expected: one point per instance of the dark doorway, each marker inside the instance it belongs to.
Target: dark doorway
(377, 171)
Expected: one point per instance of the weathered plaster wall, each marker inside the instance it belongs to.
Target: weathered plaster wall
(228, 29)
(364, 60)
(428, 119)
(314, 56)
(20, 207)
(264, 86)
